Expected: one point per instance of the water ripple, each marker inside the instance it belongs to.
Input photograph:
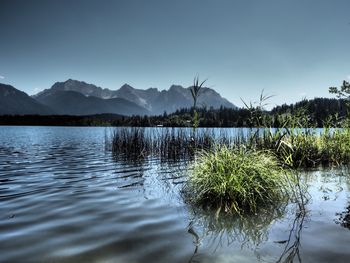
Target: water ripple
(64, 198)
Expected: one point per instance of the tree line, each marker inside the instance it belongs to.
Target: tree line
(319, 112)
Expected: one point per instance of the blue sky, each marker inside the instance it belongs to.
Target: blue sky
(290, 48)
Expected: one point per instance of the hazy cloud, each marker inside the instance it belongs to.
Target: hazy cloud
(36, 90)
(349, 77)
(2, 77)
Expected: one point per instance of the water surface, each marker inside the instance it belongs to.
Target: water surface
(65, 198)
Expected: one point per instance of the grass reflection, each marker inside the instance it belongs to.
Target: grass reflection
(249, 230)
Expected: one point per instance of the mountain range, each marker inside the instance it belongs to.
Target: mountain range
(13, 101)
(74, 97)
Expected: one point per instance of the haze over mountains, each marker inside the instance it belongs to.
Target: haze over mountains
(74, 97)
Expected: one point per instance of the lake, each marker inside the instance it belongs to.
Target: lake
(66, 198)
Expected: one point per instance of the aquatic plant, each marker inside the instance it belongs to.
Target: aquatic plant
(237, 179)
(307, 147)
(298, 143)
(195, 92)
(164, 143)
(257, 112)
(294, 147)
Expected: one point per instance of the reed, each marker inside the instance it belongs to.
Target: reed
(164, 143)
(300, 144)
(195, 92)
(241, 173)
(294, 147)
(297, 148)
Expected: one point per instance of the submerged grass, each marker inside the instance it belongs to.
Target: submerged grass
(237, 179)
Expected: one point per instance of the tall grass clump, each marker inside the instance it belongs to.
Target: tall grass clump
(307, 147)
(237, 180)
(298, 143)
(335, 146)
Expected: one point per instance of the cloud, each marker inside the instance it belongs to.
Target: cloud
(2, 77)
(349, 77)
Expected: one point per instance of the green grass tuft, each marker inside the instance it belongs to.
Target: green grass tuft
(237, 180)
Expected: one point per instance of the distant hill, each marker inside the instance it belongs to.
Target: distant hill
(75, 103)
(13, 101)
(153, 100)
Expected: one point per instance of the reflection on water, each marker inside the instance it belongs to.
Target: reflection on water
(344, 218)
(65, 198)
(216, 231)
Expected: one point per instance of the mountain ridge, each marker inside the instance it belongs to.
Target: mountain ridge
(153, 100)
(14, 101)
(75, 103)
(73, 97)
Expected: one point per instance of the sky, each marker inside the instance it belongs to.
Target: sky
(292, 49)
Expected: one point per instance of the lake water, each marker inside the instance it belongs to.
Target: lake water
(65, 198)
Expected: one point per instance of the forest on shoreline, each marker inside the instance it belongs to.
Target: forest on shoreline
(319, 111)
